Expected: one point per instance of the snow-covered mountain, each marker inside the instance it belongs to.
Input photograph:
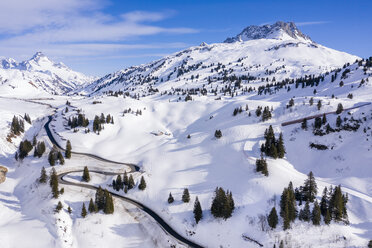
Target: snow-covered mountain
(270, 53)
(279, 30)
(38, 75)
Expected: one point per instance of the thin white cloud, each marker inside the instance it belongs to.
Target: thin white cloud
(76, 28)
(299, 24)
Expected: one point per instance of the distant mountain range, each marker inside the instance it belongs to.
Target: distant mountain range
(39, 75)
(268, 52)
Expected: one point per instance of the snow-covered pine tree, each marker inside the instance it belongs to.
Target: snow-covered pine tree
(198, 212)
(186, 195)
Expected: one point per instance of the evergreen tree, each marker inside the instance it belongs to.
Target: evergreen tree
(281, 245)
(311, 101)
(338, 205)
(272, 219)
(54, 183)
(68, 150)
(286, 220)
(43, 177)
(273, 152)
(280, 146)
(100, 198)
(131, 182)
(86, 176)
(198, 212)
(142, 185)
(324, 202)
(118, 183)
(310, 188)
(324, 119)
(109, 203)
(230, 201)
(92, 207)
(17, 126)
(319, 105)
(60, 158)
(125, 178)
(261, 166)
(218, 134)
(59, 207)
(327, 217)
(39, 149)
(340, 108)
(338, 121)
(185, 195)
(317, 122)
(34, 141)
(170, 198)
(24, 148)
(96, 124)
(288, 210)
(305, 214)
(102, 119)
(304, 124)
(291, 203)
(290, 103)
(222, 204)
(51, 158)
(69, 210)
(315, 215)
(83, 211)
(370, 244)
(126, 189)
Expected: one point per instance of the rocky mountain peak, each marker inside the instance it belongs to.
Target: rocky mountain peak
(278, 30)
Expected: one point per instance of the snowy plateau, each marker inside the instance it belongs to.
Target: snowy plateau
(163, 119)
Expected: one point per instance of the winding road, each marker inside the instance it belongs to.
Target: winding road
(134, 168)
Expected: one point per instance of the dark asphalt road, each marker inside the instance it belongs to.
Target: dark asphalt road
(139, 205)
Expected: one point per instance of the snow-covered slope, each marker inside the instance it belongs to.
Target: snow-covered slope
(172, 161)
(270, 53)
(38, 75)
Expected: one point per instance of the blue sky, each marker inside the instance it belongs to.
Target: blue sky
(101, 36)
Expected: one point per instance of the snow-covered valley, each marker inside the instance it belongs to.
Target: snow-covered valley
(161, 123)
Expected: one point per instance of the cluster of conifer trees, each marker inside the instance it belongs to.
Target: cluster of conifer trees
(54, 156)
(27, 118)
(272, 147)
(223, 203)
(99, 121)
(103, 201)
(79, 121)
(261, 166)
(39, 149)
(222, 206)
(265, 114)
(127, 183)
(239, 110)
(17, 127)
(24, 148)
(123, 183)
(332, 205)
(129, 110)
(53, 182)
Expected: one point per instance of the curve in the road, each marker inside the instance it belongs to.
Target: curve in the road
(168, 229)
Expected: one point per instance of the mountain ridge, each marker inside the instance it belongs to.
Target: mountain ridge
(266, 58)
(39, 75)
(278, 30)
